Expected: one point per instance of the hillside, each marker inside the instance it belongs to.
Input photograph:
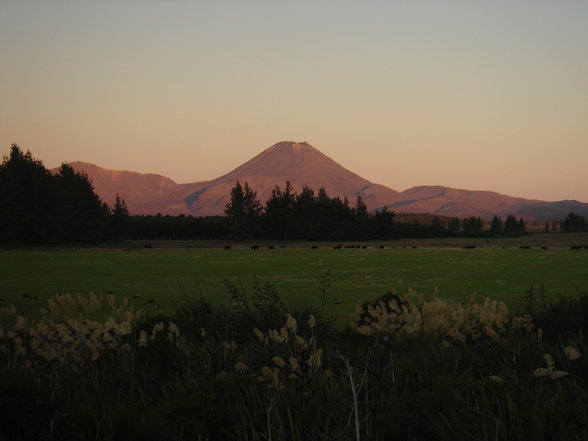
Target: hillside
(303, 165)
(135, 188)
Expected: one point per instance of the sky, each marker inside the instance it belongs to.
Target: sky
(479, 95)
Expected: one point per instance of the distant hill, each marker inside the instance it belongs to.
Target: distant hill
(134, 188)
(460, 203)
(302, 164)
(486, 204)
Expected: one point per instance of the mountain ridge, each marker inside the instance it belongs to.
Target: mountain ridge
(303, 165)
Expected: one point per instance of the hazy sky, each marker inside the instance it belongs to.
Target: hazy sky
(483, 95)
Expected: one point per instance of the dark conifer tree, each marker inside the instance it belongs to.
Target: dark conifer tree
(278, 215)
(326, 221)
(28, 200)
(383, 224)
(522, 227)
(511, 226)
(437, 228)
(454, 225)
(120, 227)
(362, 220)
(304, 214)
(83, 215)
(573, 223)
(496, 227)
(243, 212)
(472, 225)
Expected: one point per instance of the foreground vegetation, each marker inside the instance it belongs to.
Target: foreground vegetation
(255, 369)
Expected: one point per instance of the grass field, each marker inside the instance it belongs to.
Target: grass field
(437, 370)
(168, 275)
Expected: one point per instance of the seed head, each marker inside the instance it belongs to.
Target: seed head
(572, 353)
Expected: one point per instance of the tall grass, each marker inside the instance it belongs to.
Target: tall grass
(257, 369)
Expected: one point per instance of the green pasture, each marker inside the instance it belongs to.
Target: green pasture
(170, 276)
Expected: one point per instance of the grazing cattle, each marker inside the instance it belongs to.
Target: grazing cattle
(254, 247)
(271, 247)
(314, 248)
(468, 247)
(337, 247)
(576, 247)
(147, 246)
(525, 247)
(364, 247)
(227, 247)
(543, 248)
(283, 246)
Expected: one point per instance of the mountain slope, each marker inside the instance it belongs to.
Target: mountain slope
(299, 163)
(134, 188)
(486, 204)
(302, 164)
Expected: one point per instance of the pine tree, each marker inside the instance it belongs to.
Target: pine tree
(522, 226)
(454, 225)
(277, 218)
(472, 224)
(243, 212)
(362, 219)
(83, 214)
(437, 227)
(512, 227)
(305, 214)
(383, 224)
(28, 200)
(496, 227)
(573, 223)
(120, 227)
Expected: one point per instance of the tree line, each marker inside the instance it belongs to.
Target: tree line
(38, 207)
(574, 223)
(307, 215)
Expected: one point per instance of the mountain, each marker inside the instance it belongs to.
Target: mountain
(302, 164)
(486, 204)
(134, 188)
(299, 163)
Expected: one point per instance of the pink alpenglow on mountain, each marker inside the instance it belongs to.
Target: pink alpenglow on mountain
(303, 165)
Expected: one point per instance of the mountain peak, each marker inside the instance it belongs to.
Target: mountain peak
(291, 146)
(301, 164)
